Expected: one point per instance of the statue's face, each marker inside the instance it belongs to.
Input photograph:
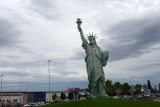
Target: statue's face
(92, 42)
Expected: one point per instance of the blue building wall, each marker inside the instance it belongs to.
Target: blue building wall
(39, 97)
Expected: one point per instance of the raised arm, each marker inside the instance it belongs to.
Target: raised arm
(79, 22)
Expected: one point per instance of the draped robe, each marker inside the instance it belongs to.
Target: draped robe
(94, 65)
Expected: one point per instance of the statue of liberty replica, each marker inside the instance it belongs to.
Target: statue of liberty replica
(95, 60)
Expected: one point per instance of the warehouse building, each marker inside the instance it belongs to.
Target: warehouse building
(29, 97)
(9, 97)
(22, 97)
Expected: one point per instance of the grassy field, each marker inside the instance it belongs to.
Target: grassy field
(106, 103)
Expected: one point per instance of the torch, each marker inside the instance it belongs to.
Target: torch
(79, 21)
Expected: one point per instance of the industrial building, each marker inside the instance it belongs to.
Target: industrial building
(23, 97)
(29, 97)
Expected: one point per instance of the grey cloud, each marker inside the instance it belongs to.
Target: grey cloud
(143, 67)
(9, 36)
(31, 62)
(153, 77)
(59, 85)
(42, 3)
(132, 37)
(46, 8)
(54, 9)
(79, 54)
(42, 85)
(61, 71)
(16, 73)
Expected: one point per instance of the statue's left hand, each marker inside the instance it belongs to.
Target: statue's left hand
(105, 57)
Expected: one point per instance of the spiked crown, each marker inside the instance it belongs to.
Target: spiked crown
(91, 36)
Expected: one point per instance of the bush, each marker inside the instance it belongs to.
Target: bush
(63, 96)
(85, 95)
(70, 96)
(54, 96)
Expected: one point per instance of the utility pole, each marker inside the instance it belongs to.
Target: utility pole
(1, 89)
(49, 79)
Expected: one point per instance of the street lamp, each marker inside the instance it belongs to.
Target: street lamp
(73, 84)
(21, 86)
(1, 88)
(49, 79)
(73, 90)
(131, 85)
(20, 90)
(130, 80)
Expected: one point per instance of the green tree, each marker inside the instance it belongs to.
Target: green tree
(126, 88)
(63, 96)
(149, 85)
(70, 96)
(54, 96)
(118, 86)
(155, 91)
(108, 86)
(137, 88)
(79, 96)
(110, 89)
(89, 88)
(85, 95)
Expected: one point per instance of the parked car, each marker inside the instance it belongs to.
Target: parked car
(33, 104)
(139, 97)
(26, 105)
(147, 95)
(128, 97)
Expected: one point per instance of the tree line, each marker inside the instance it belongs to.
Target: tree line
(113, 89)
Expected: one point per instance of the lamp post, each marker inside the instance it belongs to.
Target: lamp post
(73, 90)
(1, 88)
(21, 86)
(20, 91)
(49, 79)
(131, 85)
(130, 80)
(73, 84)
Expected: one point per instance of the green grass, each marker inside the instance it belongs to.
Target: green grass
(106, 103)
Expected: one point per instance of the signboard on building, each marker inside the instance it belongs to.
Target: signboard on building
(73, 89)
(11, 94)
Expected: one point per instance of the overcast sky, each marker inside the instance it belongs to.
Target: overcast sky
(35, 31)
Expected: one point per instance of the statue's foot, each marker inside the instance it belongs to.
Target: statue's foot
(91, 97)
